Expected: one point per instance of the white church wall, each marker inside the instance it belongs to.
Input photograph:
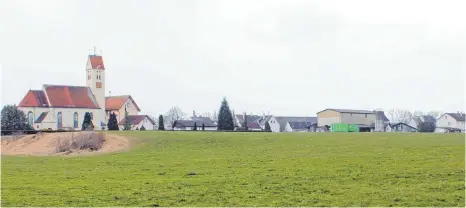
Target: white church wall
(50, 120)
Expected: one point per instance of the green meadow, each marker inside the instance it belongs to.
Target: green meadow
(248, 169)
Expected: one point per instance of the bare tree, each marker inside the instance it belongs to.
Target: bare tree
(213, 117)
(418, 113)
(400, 115)
(435, 114)
(175, 113)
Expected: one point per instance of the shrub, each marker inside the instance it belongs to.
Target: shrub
(84, 140)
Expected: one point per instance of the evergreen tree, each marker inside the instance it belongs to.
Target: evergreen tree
(13, 119)
(113, 123)
(203, 127)
(267, 126)
(245, 124)
(87, 122)
(127, 121)
(225, 118)
(195, 126)
(161, 124)
(142, 128)
(427, 127)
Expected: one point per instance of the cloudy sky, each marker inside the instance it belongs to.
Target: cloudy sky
(283, 57)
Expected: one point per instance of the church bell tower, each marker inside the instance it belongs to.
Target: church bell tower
(95, 76)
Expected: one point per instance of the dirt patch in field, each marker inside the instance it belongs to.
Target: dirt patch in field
(45, 144)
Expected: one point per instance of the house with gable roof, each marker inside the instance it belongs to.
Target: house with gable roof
(451, 122)
(64, 106)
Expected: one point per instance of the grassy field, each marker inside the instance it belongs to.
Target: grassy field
(249, 169)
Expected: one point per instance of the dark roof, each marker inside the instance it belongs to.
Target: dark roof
(190, 123)
(136, 119)
(348, 111)
(254, 125)
(299, 124)
(284, 120)
(249, 118)
(41, 117)
(457, 116)
(204, 120)
(401, 123)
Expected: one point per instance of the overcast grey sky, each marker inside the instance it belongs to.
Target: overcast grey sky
(283, 57)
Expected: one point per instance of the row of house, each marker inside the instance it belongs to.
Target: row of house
(365, 120)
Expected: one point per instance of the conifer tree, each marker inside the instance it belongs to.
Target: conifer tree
(203, 127)
(113, 123)
(87, 122)
(267, 126)
(225, 118)
(195, 126)
(161, 124)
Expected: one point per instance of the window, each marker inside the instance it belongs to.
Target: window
(127, 104)
(365, 115)
(449, 123)
(30, 118)
(88, 77)
(92, 115)
(75, 120)
(59, 121)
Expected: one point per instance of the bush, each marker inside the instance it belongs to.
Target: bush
(427, 127)
(83, 140)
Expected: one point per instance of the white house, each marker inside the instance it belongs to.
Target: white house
(64, 106)
(283, 122)
(297, 126)
(137, 122)
(451, 122)
(272, 121)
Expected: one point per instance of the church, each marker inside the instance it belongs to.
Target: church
(64, 106)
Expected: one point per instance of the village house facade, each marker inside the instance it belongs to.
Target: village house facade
(450, 122)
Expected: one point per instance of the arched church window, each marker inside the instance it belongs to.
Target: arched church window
(75, 120)
(59, 121)
(30, 118)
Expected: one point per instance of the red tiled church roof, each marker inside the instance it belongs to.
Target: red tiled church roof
(96, 62)
(34, 98)
(116, 102)
(135, 119)
(70, 96)
(60, 96)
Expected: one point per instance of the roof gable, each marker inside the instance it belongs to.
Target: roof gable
(34, 98)
(117, 102)
(136, 119)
